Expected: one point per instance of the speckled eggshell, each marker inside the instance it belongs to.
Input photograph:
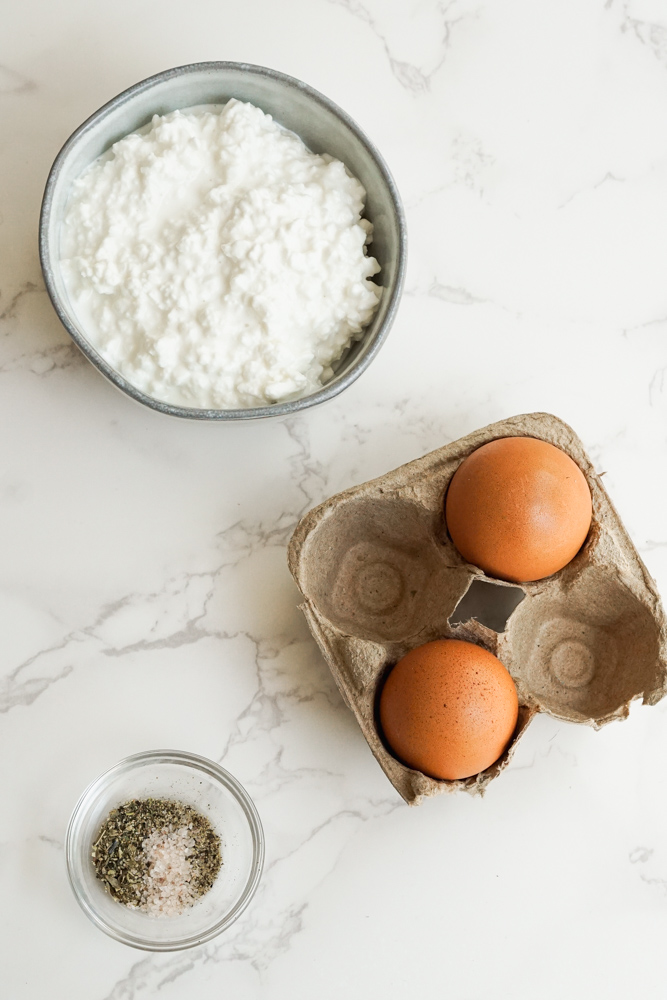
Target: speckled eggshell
(519, 508)
(449, 709)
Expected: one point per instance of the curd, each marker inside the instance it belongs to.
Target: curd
(216, 262)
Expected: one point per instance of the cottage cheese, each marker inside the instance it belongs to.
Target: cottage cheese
(216, 262)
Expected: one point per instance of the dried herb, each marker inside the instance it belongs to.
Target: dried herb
(124, 866)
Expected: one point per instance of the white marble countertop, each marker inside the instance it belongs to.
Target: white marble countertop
(146, 599)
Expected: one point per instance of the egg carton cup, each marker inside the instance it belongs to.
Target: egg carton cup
(380, 575)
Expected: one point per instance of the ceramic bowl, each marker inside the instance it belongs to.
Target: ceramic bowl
(323, 127)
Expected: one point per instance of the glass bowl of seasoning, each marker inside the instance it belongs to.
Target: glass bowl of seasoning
(165, 850)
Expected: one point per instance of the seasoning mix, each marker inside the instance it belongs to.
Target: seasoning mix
(157, 855)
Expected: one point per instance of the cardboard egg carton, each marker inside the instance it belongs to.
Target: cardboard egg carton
(380, 575)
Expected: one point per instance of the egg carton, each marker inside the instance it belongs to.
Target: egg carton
(380, 575)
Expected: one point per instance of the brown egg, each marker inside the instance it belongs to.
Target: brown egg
(519, 508)
(448, 708)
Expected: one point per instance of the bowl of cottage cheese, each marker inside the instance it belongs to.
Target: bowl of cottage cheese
(223, 242)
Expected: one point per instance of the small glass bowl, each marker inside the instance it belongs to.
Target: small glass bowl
(212, 791)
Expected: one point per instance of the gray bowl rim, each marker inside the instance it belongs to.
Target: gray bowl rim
(233, 785)
(278, 409)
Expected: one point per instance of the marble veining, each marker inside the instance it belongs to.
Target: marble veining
(12, 82)
(144, 593)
